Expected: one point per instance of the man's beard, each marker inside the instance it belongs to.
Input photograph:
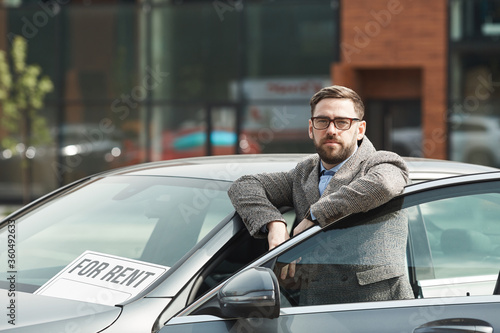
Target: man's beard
(333, 157)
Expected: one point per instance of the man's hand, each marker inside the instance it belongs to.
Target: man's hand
(290, 269)
(303, 225)
(277, 233)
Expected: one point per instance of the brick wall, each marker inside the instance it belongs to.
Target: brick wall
(398, 49)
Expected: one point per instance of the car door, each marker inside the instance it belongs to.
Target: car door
(453, 260)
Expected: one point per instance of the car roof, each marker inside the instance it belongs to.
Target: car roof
(231, 167)
(425, 168)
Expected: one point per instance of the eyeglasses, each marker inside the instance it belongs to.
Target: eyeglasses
(341, 123)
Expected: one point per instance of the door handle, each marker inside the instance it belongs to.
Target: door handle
(455, 325)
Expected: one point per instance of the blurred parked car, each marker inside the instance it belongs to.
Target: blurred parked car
(96, 147)
(158, 247)
(84, 149)
(192, 142)
(11, 172)
(473, 139)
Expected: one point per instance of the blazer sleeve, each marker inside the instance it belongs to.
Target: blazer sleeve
(383, 176)
(257, 198)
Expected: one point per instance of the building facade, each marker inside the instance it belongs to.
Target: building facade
(151, 80)
(395, 53)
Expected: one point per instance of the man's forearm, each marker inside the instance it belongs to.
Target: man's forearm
(250, 201)
(277, 233)
(257, 198)
(363, 194)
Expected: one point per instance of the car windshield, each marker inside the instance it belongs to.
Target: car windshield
(152, 219)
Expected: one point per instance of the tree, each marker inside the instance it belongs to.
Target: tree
(22, 93)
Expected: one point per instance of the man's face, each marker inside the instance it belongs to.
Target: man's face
(334, 145)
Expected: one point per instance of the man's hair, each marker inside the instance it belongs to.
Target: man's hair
(339, 92)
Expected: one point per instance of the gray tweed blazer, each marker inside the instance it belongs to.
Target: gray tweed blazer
(367, 180)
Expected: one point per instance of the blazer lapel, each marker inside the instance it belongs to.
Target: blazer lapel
(310, 184)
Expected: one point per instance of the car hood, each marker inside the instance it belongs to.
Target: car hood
(37, 313)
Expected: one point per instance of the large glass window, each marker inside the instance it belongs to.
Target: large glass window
(474, 82)
(173, 79)
(474, 19)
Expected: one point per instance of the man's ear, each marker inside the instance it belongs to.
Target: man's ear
(311, 130)
(361, 129)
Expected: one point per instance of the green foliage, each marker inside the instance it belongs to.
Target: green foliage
(22, 92)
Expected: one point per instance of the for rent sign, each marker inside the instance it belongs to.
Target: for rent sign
(102, 278)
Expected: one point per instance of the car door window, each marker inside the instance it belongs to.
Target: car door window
(463, 235)
(343, 263)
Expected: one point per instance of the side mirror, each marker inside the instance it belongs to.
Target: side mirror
(251, 293)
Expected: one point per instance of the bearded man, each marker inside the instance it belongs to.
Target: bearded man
(347, 175)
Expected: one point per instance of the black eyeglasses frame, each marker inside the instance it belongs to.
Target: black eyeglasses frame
(334, 122)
